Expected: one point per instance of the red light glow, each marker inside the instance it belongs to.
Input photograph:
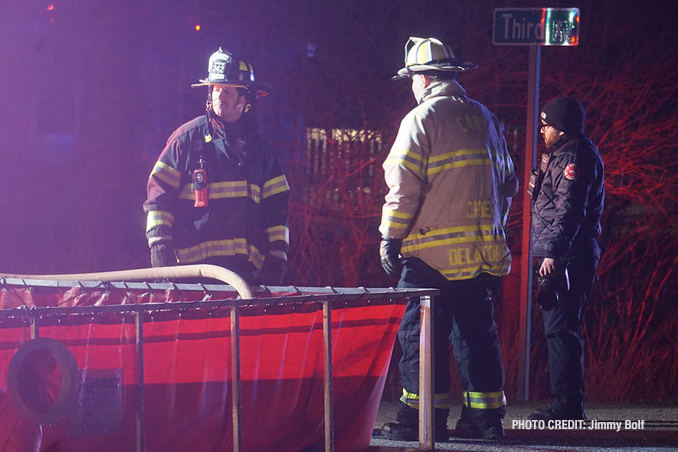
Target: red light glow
(50, 7)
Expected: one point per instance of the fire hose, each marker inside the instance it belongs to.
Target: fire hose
(144, 274)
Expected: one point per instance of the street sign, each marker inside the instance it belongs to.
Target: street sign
(542, 26)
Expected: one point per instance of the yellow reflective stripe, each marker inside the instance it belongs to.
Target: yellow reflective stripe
(455, 159)
(398, 214)
(274, 186)
(186, 191)
(451, 155)
(157, 218)
(484, 400)
(218, 190)
(455, 275)
(392, 225)
(472, 269)
(459, 164)
(224, 190)
(450, 241)
(281, 232)
(394, 219)
(423, 55)
(408, 159)
(228, 247)
(255, 193)
(412, 400)
(166, 174)
(455, 235)
(231, 189)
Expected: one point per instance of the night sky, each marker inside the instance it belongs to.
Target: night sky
(91, 89)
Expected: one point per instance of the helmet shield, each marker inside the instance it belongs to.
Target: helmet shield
(430, 54)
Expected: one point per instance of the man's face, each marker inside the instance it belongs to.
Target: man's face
(227, 102)
(549, 134)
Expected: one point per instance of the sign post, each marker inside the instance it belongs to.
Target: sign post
(534, 28)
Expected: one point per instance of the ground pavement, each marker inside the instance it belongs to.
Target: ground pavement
(611, 428)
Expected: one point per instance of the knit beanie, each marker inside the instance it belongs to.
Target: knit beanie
(565, 114)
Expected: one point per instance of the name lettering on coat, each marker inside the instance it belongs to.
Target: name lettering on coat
(483, 253)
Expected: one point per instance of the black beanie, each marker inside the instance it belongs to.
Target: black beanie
(565, 114)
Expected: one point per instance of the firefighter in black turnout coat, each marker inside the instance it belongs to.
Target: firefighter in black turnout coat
(217, 194)
(568, 199)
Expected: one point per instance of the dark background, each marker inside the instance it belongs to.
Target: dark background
(91, 89)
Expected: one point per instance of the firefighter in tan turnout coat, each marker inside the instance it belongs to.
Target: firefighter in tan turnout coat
(450, 180)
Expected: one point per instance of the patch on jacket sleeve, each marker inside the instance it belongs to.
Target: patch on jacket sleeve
(570, 171)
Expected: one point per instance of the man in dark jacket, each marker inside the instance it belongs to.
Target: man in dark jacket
(217, 194)
(567, 206)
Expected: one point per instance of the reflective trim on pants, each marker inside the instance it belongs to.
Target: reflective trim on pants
(412, 400)
(484, 400)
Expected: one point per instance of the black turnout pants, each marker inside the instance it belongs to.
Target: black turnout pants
(464, 317)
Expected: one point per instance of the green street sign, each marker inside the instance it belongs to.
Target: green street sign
(542, 26)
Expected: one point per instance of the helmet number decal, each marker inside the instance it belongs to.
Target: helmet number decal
(218, 67)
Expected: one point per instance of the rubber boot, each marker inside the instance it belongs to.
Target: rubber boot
(481, 424)
(407, 427)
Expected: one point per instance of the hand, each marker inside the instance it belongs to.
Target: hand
(389, 252)
(553, 286)
(548, 266)
(163, 255)
(273, 270)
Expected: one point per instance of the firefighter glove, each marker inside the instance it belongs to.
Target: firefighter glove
(163, 254)
(389, 252)
(273, 271)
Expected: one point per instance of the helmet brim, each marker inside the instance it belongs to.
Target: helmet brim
(263, 89)
(457, 66)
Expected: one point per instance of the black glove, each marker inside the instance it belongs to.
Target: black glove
(552, 288)
(389, 251)
(163, 255)
(273, 270)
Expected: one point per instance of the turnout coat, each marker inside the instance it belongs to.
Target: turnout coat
(450, 180)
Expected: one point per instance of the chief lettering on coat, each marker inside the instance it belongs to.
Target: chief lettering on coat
(479, 209)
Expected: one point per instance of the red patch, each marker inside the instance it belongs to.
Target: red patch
(570, 172)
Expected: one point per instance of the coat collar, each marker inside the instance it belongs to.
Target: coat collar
(442, 88)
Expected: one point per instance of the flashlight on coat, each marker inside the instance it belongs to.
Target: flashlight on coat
(200, 188)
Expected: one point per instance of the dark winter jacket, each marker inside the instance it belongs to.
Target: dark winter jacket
(569, 203)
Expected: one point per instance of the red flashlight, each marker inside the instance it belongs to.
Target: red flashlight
(200, 187)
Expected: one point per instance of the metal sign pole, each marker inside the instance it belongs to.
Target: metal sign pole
(526, 260)
(141, 402)
(426, 374)
(533, 27)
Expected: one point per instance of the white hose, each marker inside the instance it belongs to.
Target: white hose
(144, 274)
